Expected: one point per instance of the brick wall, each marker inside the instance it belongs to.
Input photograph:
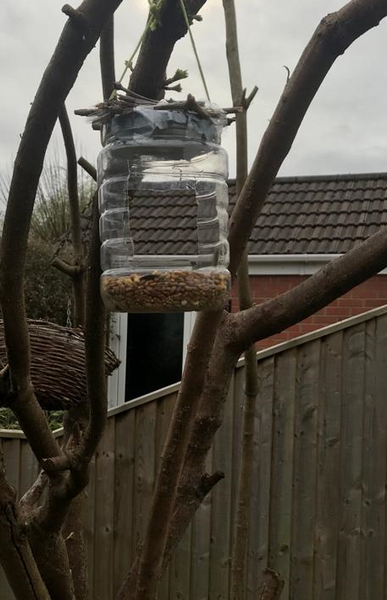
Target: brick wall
(370, 294)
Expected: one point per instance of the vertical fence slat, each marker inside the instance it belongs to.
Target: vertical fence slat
(236, 384)
(282, 465)
(89, 526)
(164, 416)
(11, 450)
(374, 462)
(28, 468)
(260, 485)
(144, 464)
(123, 496)
(104, 516)
(348, 576)
(328, 470)
(305, 470)
(179, 577)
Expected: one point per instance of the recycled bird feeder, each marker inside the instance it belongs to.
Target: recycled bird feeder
(163, 202)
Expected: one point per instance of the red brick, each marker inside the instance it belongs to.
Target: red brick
(338, 311)
(349, 302)
(324, 319)
(308, 327)
(373, 302)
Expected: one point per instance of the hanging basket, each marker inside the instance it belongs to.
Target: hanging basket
(58, 364)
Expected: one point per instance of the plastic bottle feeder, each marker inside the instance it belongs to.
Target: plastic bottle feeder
(163, 201)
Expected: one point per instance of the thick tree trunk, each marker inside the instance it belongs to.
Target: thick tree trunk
(15, 553)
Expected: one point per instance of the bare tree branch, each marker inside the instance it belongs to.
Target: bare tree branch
(330, 282)
(332, 37)
(95, 347)
(73, 46)
(15, 554)
(76, 232)
(242, 511)
(32, 496)
(65, 268)
(106, 58)
(207, 422)
(92, 171)
(241, 330)
(76, 418)
(199, 350)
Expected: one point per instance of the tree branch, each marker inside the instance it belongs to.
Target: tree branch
(208, 420)
(95, 348)
(106, 58)
(242, 512)
(86, 166)
(333, 280)
(76, 417)
(15, 554)
(353, 20)
(332, 37)
(70, 270)
(199, 350)
(73, 47)
(32, 496)
(75, 217)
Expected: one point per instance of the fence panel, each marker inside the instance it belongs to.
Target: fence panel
(318, 511)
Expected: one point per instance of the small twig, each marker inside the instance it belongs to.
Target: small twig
(251, 97)
(119, 86)
(288, 73)
(174, 88)
(69, 270)
(178, 76)
(56, 464)
(76, 229)
(76, 17)
(189, 104)
(88, 167)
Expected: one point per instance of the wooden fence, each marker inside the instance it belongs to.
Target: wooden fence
(318, 510)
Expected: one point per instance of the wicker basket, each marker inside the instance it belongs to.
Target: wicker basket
(58, 364)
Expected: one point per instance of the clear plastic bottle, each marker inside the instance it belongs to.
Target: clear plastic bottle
(163, 203)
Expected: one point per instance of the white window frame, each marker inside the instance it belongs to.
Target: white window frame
(118, 343)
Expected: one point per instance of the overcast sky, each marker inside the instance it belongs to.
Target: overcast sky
(345, 130)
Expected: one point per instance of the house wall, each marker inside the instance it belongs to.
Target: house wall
(370, 294)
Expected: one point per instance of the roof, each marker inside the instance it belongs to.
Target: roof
(326, 214)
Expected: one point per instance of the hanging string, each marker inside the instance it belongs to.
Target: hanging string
(128, 63)
(194, 48)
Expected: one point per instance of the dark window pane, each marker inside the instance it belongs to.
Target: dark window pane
(154, 352)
